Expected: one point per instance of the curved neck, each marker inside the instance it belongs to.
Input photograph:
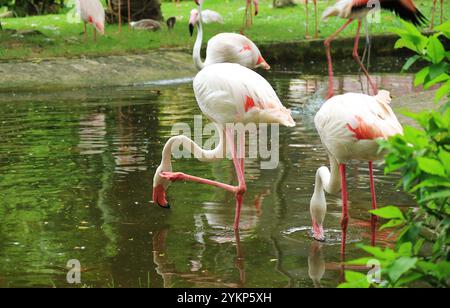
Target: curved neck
(328, 181)
(198, 42)
(193, 148)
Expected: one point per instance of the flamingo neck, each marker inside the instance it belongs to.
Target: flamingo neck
(326, 180)
(198, 42)
(193, 148)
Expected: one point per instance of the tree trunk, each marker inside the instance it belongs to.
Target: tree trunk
(140, 9)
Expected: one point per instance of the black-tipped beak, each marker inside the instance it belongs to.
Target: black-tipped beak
(256, 12)
(167, 206)
(191, 29)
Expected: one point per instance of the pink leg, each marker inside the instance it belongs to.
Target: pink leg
(327, 44)
(85, 32)
(374, 204)
(307, 20)
(240, 259)
(433, 12)
(129, 13)
(442, 12)
(316, 35)
(358, 60)
(120, 17)
(180, 176)
(344, 221)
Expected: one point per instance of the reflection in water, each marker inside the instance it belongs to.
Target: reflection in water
(76, 177)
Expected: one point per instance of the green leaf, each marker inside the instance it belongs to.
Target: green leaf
(355, 280)
(435, 49)
(392, 224)
(421, 76)
(444, 90)
(400, 266)
(444, 157)
(437, 195)
(388, 212)
(410, 62)
(431, 166)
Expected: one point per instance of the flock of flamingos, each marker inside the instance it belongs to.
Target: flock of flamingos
(229, 91)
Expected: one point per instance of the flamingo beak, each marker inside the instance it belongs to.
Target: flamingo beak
(256, 7)
(262, 63)
(197, 2)
(191, 29)
(159, 197)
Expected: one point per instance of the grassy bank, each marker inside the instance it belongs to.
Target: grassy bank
(63, 38)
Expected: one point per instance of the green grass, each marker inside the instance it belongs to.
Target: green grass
(272, 25)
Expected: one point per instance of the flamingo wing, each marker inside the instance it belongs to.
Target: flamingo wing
(92, 11)
(230, 93)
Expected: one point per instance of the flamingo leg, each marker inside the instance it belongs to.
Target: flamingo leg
(307, 20)
(240, 265)
(120, 17)
(95, 35)
(358, 60)
(85, 32)
(316, 35)
(374, 218)
(442, 12)
(345, 218)
(327, 44)
(247, 20)
(129, 13)
(433, 12)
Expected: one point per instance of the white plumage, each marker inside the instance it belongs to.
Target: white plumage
(231, 93)
(208, 17)
(92, 12)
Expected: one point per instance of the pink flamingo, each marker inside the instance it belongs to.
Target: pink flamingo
(224, 47)
(316, 35)
(358, 9)
(349, 126)
(227, 93)
(434, 12)
(92, 12)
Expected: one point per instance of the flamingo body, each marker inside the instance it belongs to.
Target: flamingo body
(92, 12)
(231, 93)
(208, 17)
(350, 124)
(349, 127)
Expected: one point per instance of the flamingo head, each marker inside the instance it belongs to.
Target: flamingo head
(160, 186)
(256, 3)
(193, 20)
(262, 63)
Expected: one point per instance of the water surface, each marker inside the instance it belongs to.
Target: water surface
(76, 171)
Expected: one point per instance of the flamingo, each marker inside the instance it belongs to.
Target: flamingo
(434, 12)
(92, 11)
(227, 93)
(316, 35)
(225, 47)
(208, 17)
(349, 126)
(358, 9)
(248, 17)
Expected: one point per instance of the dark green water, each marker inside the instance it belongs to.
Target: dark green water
(76, 173)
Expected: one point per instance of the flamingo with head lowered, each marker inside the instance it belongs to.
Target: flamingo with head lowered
(349, 126)
(358, 10)
(227, 93)
(434, 13)
(225, 47)
(92, 12)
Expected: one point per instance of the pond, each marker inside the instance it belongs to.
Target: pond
(76, 171)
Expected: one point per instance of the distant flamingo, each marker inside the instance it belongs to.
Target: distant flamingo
(248, 17)
(316, 35)
(358, 9)
(434, 12)
(349, 126)
(225, 47)
(92, 11)
(227, 93)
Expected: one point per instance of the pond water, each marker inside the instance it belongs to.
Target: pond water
(76, 171)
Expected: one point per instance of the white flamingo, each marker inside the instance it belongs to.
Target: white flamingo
(227, 93)
(226, 48)
(349, 126)
(92, 12)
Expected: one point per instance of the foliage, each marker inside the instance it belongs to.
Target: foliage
(422, 155)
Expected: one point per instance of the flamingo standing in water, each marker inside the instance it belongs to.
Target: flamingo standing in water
(358, 10)
(316, 34)
(224, 47)
(434, 12)
(349, 126)
(227, 93)
(92, 12)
